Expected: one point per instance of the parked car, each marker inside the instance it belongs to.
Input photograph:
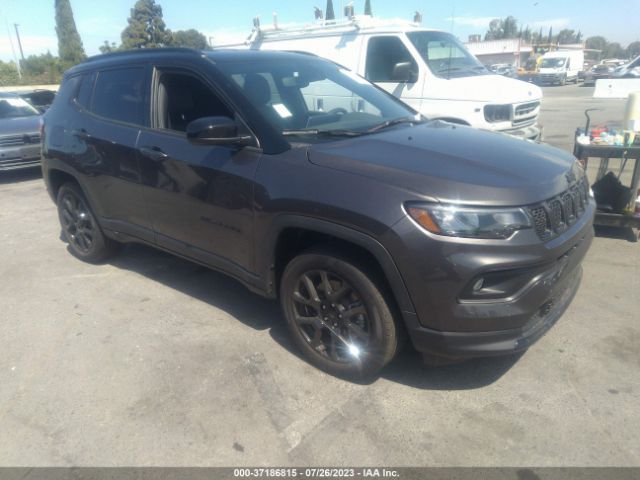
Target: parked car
(604, 69)
(628, 70)
(504, 69)
(368, 222)
(19, 133)
(41, 99)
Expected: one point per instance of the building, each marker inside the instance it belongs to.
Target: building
(513, 51)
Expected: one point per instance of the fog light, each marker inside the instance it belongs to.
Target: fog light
(478, 285)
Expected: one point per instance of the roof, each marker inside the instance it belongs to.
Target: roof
(222, 55)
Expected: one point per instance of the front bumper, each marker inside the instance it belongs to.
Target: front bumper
(449, 322)
(532, 132)
(19, 157)
(501, 342)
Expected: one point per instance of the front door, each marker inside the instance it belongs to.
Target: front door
(199, 197)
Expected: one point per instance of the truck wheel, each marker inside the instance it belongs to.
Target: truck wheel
(563, 81)
(80, 228)
(337, 315)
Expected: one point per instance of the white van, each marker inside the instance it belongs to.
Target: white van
(561, 66)
(428, 69)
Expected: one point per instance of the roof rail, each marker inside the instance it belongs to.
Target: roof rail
(140, 51)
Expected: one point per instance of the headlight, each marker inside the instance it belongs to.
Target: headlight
(469, 222)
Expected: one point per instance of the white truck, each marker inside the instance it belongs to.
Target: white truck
(561, 66)
(428, 69)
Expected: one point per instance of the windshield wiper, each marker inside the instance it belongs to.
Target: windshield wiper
(319, 133)
(395, 121)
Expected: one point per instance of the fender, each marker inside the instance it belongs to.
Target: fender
(267, 248)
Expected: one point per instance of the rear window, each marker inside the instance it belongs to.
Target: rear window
(119, 95)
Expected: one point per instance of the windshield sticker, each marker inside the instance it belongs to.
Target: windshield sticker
(282, 110)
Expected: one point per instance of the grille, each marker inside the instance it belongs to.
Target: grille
(525, 114)
(526, 108)
(17, 140)
(554, 216)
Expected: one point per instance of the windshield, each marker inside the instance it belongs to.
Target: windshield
(314, 97)
(445, 55)
(15, 107)
(553, 62)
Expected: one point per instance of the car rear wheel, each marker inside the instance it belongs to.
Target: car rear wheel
(80, 228)
(337, 315)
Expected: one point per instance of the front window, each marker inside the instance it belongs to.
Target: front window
(11, 107)
(445, 55)
(314, 97)
(553, 62)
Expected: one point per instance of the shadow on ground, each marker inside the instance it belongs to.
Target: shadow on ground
(256, 312)
(21, 175)
(620, 233)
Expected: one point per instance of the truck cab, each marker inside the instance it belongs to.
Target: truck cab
(430, 70)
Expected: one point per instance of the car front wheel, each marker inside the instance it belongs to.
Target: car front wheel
(337, 315)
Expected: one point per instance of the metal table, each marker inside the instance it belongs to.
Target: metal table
(604, 153)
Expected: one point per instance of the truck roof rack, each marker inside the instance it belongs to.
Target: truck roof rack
(353, 24)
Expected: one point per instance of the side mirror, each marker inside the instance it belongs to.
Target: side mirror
(216, 131)
(403, 73)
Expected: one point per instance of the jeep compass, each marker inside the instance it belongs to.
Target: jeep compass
(306, 183)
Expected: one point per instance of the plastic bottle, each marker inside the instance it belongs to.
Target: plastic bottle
(636, 213)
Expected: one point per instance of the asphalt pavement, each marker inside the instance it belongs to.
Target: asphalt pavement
(152, 360)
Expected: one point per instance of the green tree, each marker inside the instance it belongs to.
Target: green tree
(633, 49)
(43, 68)
(550, 37)
(8, 74)
(613, 50)
(566, 36)
(146, 27)
(596, 43)
(509, 27)
(330, 15)
(107, 47)
(495, 30)
(70, 47)
(189, 38)
(500, 28)
(367, 8)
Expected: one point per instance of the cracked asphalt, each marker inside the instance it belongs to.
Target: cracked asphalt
(151, 360)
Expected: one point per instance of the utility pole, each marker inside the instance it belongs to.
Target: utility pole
(15, 25)
(13, 50)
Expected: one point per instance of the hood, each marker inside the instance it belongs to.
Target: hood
(19, 125)
(492, 88)
(452, 163)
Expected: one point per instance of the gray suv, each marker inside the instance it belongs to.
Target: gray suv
(19, 133)
(307, 183)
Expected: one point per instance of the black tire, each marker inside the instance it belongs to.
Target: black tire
(80, 228)
(563, 81)
(348, 331)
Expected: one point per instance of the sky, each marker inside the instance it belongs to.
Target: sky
(229, 21)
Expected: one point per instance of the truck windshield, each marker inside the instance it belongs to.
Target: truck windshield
(313, 97)
(553, 62)
(445, 55)
(15, 107)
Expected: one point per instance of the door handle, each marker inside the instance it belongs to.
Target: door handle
(81, 133)
(154, 153)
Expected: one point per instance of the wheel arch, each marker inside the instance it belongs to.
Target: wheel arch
(292, 234)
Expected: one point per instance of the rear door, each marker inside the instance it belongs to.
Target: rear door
(383, 56)
(112, 105)
(199, 197)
